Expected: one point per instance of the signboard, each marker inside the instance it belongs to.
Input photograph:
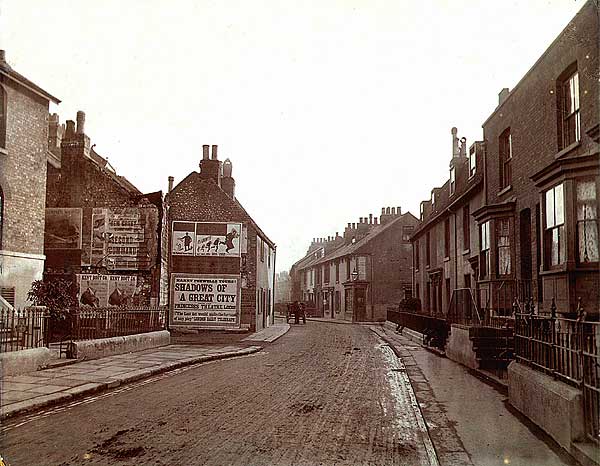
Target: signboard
(121, 237)
(63, 228)
(206, 239)
(106, 290)
(205, 300)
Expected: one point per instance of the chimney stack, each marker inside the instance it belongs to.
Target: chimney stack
(503, 95)
(170, 183)
(227, 182)
(2, 55)
(80, 122)
(210, 169)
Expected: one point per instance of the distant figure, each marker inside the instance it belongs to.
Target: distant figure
(303, 312)
(296, 310)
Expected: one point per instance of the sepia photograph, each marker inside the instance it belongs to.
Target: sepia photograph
(299, 232)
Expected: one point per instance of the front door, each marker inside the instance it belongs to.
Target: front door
(360, 302)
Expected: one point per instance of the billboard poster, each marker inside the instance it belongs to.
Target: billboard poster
(98, 254)
(218, 239)
(183, 238)
(125, 237)
(63, 228)
(98, 290)
(122, 237)
(205, 300)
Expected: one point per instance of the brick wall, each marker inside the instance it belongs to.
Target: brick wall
(201, 200)
(23, 170)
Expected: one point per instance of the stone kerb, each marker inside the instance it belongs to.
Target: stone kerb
(23, 361)
(554, 406)
(100, 348)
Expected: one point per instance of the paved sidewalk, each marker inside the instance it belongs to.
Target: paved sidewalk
(35, 390)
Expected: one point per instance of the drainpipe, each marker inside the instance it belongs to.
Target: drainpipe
(273, 292)
(450, 211)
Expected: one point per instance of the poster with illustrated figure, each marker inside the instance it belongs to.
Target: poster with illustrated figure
(218, 239)
(97, 290)
(183, 238)
(63, 228)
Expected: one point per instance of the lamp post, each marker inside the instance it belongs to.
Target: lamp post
(354, 275)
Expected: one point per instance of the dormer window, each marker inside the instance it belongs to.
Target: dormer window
(472, 161)
(353, 239)
(452, 180)
(432, 200)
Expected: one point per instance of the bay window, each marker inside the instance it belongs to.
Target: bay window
(503, 246)
(484, 241)
(587, 221)
(555, 226)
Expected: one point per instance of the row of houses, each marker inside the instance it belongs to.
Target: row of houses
(518, 214)
(357, 276)
(66, 213)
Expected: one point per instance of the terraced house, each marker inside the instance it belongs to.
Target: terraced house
(357, 276)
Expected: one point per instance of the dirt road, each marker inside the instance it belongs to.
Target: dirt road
(323, 394)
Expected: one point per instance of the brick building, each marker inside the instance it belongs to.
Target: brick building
(24, 110)
(446, 244)
(221, 264)
(358, 275)
(100, 229)
(540, 217)
(532, 203)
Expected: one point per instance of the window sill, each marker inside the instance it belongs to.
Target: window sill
(447, 259)
(567, 149)
(504, 190)
(3, 151)
(466, 251)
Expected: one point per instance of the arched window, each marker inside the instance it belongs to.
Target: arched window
(2, 117)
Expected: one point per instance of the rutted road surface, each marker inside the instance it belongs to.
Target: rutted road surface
(322, 394)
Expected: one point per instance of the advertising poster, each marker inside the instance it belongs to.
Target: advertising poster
(205, 300)
(98, 254)
(106, 290)
(183, 238)
(123, 237)
(63, 228)
(218, 239)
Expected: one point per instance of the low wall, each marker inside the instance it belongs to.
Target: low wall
(555, 407)
(21, 362)
(100, 348)
(459, 347)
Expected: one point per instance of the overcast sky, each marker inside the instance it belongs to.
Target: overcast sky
(329, 110)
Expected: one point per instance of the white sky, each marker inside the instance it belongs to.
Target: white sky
(329, 110)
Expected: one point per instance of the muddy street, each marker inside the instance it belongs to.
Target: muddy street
(322, 394)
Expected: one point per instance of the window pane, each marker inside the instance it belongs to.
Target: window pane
(574, 82)
(504, 260)
(559, 205)
(554, 258)
(550, 220)
(587, 240)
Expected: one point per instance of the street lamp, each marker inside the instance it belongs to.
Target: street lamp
(354, 275)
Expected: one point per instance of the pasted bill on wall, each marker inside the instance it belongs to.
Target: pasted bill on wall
(206, 239)
(99, 290)
(205, 300)
(63, 228)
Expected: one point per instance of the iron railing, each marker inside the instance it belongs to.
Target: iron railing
(91, 323)
(434, 329)
(22, 328)
(566, 349)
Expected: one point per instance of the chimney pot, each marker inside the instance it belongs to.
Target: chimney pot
(398, 210)
(171, 183)
(387, 210)
(214, 152)
(80, 122)
(2, 55)
(393, 211)
(205, 149)
(370, 219)
(375, 221)
(354, 226)
(349, 225)
(70, 131)
(383, 211)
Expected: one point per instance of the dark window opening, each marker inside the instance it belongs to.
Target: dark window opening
(505, 157)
